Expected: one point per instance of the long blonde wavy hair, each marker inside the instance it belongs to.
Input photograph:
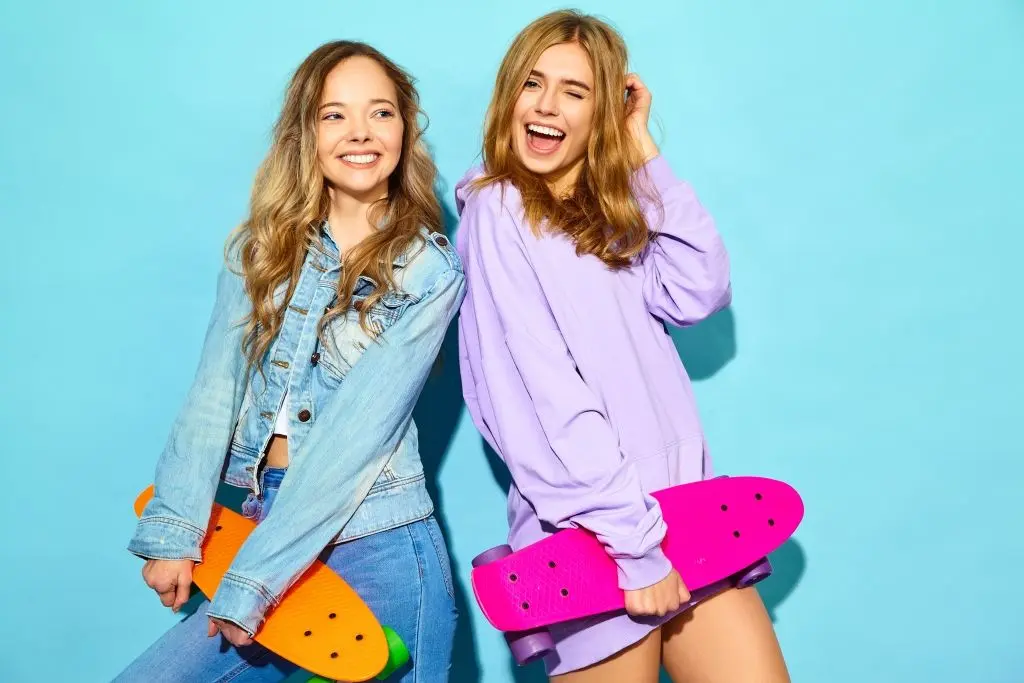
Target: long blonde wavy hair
(290, 202)
(602, 214)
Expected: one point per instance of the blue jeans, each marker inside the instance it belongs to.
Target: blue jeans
(403, 575)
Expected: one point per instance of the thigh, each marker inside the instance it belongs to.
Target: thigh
(726, 638)
(639, 663)
(404, 576)
(185, 654)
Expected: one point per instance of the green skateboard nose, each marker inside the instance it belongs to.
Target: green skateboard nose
(398, 653)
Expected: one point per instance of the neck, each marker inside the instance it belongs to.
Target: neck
(563, 181)
(348, 218)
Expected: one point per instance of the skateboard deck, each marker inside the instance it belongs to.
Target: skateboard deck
(321, 623)
(716, 528)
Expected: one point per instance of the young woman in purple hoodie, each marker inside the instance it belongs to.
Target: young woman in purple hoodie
(579, 246)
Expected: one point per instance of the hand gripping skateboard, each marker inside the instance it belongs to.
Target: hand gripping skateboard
(719, 532)
(321, 624)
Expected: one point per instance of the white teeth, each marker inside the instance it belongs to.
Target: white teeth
(360, 158)
(546, 130)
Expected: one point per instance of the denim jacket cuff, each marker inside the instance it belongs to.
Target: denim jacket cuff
(640, 572)
(242, 601)
(166, 538)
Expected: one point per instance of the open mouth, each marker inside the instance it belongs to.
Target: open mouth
(360, 160)
(543, 139)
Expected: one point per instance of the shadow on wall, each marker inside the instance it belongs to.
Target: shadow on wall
(707, 347)
(437, 416)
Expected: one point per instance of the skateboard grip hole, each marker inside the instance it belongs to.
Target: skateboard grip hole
(771, 522)
(334, 655)
(565, 592)
(757, 496)
(736, 534)
(724, 508)
(552, 564)
(513, 578)
(308, 633)
(332, 615)
(359, 636)
(526, 605)
(218, 527)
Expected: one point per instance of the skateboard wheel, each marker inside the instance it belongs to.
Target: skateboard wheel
(757, 572)
(492, 555)
(398, 653)
(529, 646)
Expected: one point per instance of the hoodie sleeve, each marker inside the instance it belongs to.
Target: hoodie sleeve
(686, 267)
(546, 423)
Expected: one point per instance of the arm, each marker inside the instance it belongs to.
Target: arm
(576, 473)
(686, 267)
(344, 453)
(174, 522)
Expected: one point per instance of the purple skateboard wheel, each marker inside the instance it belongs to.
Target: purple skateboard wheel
(529, 646)
(757, 572)
(492, 555)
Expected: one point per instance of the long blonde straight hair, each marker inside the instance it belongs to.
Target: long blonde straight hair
(290, 201)
(602, 215)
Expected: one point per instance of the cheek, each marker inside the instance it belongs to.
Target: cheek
(392, 139)
(522, 107)
(326, 141)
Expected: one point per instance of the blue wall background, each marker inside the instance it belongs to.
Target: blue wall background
(864, 164)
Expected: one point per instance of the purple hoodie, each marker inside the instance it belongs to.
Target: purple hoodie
(569, 373)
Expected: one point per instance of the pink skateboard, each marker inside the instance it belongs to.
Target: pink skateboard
(719, 533)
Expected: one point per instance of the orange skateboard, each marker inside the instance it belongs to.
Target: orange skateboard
(321, 623)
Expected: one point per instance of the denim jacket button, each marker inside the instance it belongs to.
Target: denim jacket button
(315, 358)
(304, 415)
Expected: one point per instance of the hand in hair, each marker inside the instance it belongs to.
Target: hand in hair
(638, 112)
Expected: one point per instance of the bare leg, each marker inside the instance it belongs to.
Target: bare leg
(638, 663)
(726, 639)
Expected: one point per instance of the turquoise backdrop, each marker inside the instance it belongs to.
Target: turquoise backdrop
(863, 161)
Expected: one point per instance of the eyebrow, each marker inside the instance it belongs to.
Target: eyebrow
(342, 104)
(567, 81)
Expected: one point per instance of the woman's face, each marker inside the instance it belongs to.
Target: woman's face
(359, 129)
(554, 115)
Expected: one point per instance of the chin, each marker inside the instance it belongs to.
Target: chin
(542, 166)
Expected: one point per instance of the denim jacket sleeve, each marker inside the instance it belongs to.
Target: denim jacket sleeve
(686, 266)
(344, 453)
(579, 476)
(173, 524)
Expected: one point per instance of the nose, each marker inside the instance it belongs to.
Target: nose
(359, 132)
(547, 103)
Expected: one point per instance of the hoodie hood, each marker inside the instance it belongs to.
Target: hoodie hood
(462, 189)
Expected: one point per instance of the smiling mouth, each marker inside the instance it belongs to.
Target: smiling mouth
(543, 139)
(360, 160)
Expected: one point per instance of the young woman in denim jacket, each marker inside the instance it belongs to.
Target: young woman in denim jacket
(580, 245)
(330, 312)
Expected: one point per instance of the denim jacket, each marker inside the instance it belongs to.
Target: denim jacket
(354, 464)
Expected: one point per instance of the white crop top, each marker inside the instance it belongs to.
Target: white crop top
(281, 426)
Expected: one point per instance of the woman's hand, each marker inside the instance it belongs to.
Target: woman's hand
(235, 635)
(638, 112)
(171, 579)
(660, 599)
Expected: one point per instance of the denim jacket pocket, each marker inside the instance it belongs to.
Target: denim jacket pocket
(345, 340)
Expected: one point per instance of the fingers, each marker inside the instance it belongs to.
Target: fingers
(167, 596)
(235, 635)
(633, 82)
(182, 593)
